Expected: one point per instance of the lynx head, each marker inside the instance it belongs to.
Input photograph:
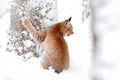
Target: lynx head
(67, 27)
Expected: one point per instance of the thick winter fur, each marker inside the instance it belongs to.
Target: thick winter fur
(55, 47)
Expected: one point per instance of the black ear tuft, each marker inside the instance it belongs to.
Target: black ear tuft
(69, 19)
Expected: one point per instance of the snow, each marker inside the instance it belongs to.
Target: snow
(108, 31)
(13, 67)
(28, 43)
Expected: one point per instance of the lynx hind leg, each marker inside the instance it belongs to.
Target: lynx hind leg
(45, 63)
(67, 65)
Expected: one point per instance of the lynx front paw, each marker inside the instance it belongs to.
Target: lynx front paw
(25, 22)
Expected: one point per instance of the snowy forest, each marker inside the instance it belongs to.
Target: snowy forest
(94, 48)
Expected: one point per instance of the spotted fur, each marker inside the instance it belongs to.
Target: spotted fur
(56, 52)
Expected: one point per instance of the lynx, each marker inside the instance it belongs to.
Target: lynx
(55, 52)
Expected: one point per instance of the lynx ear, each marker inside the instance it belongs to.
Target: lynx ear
(67, 21)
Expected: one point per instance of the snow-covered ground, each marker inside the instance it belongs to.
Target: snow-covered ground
(13, 67)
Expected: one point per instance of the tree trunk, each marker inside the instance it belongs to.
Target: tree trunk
(42, 13)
